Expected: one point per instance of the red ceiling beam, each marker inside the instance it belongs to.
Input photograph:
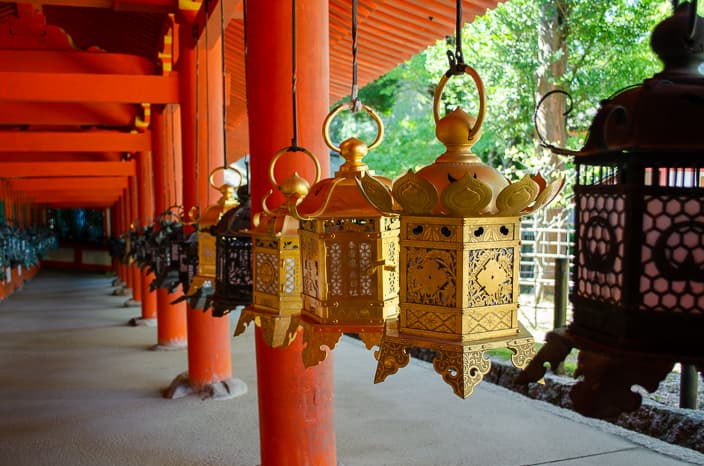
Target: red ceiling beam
(87, 87)
(141, 6)
(72, 114)
(78, 141)
(69, 184)
(66, 169)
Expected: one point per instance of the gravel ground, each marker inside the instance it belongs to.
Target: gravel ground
(668, 393)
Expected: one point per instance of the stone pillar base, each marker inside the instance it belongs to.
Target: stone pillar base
(223, 390)
(140, 322)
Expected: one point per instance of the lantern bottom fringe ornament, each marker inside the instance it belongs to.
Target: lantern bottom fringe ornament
(277, 330)
(181, 386)
(608, 372)
(316, 335)
(462, 365)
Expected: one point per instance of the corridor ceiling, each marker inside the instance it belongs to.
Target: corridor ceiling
(76, 75)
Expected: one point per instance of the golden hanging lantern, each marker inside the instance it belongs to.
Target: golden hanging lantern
(276, 267)
(349, 252)
(460, 247)
(205, 276)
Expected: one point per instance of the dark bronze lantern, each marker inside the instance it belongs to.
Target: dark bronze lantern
(168, 239)
(638, 292)
(202, 284)
(233, 257)
(459, 255)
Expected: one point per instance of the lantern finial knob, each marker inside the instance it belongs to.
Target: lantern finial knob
(679, 40)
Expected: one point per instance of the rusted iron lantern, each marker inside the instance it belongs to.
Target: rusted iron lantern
(459, 254)
(276, 267)
(638, 296)
(202, 284)
(233, 269)
(349, 253)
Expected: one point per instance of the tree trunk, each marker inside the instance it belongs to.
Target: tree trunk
(552, 64)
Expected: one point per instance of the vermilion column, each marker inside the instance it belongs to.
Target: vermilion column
(209, 360)
(296, 414)
(134, 219)
(171, 318)
(125, 227)
(146, 214)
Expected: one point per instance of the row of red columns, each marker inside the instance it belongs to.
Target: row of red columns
(296, 413)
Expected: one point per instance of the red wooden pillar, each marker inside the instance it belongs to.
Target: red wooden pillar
(124, 228)
(209, 359)
(134, 219)
(171, 318)
(296, 413)
(146, 215)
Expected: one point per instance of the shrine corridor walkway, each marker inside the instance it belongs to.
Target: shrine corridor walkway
(79, 387)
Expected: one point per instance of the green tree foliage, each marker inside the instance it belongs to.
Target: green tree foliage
(607, 48)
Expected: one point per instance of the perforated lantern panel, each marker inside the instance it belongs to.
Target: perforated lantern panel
(345, 278)
(277, 277)
(673, 254)
(599, 265)
(459, 279)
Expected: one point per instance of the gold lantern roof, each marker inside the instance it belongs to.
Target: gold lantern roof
(458, 183)
(459, 254)
(277, 302)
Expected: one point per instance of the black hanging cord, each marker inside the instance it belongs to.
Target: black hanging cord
(294, 97)
(354, 97)
(456, 57)
(224, 84)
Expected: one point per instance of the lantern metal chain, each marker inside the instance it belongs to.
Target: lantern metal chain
(354, 97)
(456, 57)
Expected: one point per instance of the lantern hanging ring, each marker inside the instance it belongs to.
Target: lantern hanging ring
(482, 98)
(225, 169)
(350, 106)
(287, 150)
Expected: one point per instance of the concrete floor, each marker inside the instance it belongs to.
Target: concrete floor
(78, 387)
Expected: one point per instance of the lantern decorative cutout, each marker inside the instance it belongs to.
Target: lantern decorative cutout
(638, 296)
(233, 271)
(202, 284)
(349, 253)
(276, 272)
(459, 255)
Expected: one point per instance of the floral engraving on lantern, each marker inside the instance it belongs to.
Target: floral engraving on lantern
(431, 321)
(334, 259)
(673, 254)
(391, 357)
(479, 322)
(462, 370)
(267, 278)
(431, 277)
(309, 260)
(602, 221)
(490, 277)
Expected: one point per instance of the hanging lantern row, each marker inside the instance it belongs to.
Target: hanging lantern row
(23, 246)
(638, 296)
(276, 264)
